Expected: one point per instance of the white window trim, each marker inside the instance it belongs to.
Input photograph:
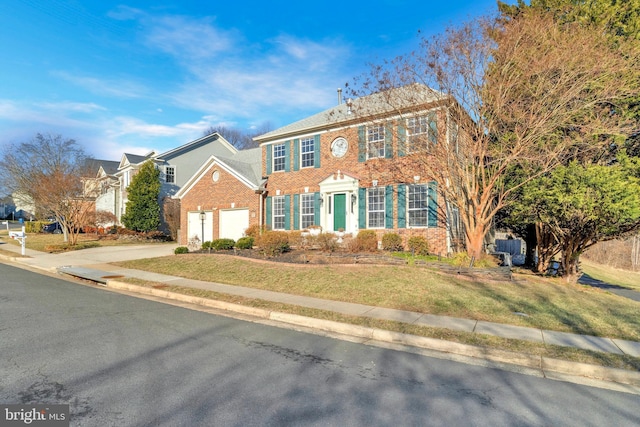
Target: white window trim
(273, 213)
(283, 157)
(425, 209)
(166, 174)
(311, 153)
(381, 140)
(310, 198)
(411, 146)
(380, 190)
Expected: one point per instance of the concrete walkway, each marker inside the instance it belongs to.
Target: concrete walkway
(93, 264)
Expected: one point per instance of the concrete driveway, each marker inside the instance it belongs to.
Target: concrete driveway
(92, 256)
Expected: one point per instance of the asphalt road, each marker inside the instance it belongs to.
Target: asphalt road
(123, 361)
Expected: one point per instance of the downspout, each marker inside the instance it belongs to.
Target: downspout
(261, 191)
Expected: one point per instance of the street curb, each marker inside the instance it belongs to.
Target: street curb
(548, 367)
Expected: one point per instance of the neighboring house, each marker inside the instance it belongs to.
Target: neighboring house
(24, 207)
(223, 198)
(176, 167)
(104, 187)
(127, 168)
(354, 167)
(7, 208)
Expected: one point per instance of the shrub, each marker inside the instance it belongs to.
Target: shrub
(295, 239)
(327, 242)
(206, 245)
(223, 244)
(245, 242)
(461, 259)
(181, 250)
(418, 245)
(34, 226)
(365, 241)
(274, 243)
(253, 231)
(392, 242)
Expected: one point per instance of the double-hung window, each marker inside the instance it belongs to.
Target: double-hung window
(170, 174)
(278, 213)
(418, 205)
(376, 208)
(375, 141)
(307, 212)
(279, 152)
(307, 149)
(417, 133)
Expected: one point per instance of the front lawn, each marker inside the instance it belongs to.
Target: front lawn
(48, 242)
(528, 300)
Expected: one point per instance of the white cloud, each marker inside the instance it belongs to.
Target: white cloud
(292, 75)
(55, 114)
(188, 38)
(127, 126)
(68, 106)
(234, 77)
(108, 87)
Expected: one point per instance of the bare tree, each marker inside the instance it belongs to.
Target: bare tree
(515, 98)
(48, 173)
(171, 214)
(240, 139)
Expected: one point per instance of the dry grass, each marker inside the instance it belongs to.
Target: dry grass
(625, 278)
(548, 303)
(46, 242)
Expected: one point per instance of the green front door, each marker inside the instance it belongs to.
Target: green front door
(339, 211)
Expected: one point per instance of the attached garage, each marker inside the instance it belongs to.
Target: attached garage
(196, 226)
(233, 223)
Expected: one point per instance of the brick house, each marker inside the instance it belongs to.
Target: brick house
(222, 199)
(356, 166)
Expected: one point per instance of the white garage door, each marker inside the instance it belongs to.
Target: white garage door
(233, 223)
(196, 226)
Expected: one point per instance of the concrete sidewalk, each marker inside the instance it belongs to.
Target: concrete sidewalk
(105, 273)
(93, 264)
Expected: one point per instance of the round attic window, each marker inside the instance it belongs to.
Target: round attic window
(215, 176)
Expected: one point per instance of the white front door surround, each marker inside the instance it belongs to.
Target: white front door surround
(345, 187)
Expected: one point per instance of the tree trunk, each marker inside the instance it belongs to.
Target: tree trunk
(570, 262)
(532, 244)
(475, 242)
(547, 248)
(571, 250)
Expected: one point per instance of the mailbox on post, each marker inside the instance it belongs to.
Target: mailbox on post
(21, 236)
(16, 234)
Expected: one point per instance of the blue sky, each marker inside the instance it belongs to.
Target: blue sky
(133, 76)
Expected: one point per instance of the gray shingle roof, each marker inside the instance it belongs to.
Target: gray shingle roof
(135, 159)
(381, 103)
(247, 163)
(110, 167)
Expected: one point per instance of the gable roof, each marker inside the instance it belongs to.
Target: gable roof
(223, 148)
(108, 167)
(378, 104)
(245, 166)
(132, 159)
